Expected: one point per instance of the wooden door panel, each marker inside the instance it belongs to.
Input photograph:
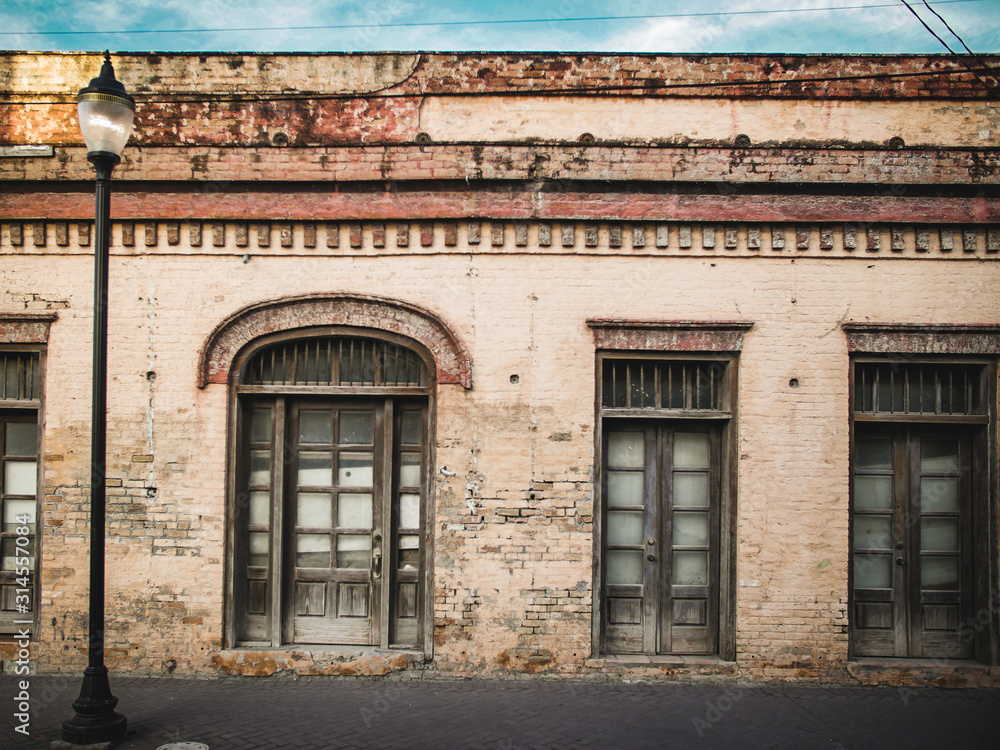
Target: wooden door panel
(333, 513)
(912, 584)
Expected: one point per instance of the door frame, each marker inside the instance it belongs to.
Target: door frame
(727, 417)
(235, 422)
(985, 491)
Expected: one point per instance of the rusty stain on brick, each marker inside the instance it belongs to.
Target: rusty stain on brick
(426, 234)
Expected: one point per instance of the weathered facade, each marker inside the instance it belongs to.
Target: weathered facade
(620, 366)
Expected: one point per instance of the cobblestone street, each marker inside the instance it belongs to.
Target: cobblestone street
(493, 715)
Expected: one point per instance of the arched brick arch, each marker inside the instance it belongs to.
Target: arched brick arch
(359, 311)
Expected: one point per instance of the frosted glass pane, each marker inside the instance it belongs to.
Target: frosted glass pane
(624, 566)
(11, 553)
(20, 477)
(691, 450)
(316, 426)
(938, 455)
(690, 569)
(355, 470)
(315, 469)
(312, 551)
(411, 428)
(354, 510)
(258, 549)
(627, 449)
(873, 493)
(939, 493)
(872, 532)
(624, 527)
(690, 529)
(409, 511)
(409, 551)
(939, 534)
(314, 510)
(354, 551)
(22, 439)
(260, 508)
(872, 571)
(625, 488)
(260, 426)
(939, 573)
(409, 470)
(690, 489)
(260, 467)
(14, 508)
(873, 453)
(357, 427)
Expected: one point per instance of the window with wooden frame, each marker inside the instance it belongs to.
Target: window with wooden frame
(665, 547)
(20, 403)
(921, 508)
(330, 466)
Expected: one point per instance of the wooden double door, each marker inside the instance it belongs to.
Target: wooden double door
(660, 537)
(912, 536)
(335, 526)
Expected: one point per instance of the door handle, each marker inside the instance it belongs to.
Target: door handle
(900, 561)
(377, 562)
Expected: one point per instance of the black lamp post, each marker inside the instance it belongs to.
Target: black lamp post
(106, 112)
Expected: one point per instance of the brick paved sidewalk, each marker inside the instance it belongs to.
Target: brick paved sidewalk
(238, 714)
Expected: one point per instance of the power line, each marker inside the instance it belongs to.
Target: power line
(954, 33)
(954, 54)
(581, 90)
(486, 22)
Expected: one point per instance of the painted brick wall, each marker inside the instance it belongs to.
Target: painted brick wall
(513, 526)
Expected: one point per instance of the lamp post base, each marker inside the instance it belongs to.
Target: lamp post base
(96, 720)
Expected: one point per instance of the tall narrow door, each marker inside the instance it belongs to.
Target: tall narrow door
(661, 538)
(335, 524)
(912, 543)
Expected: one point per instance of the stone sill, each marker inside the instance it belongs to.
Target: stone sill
(669, 660)
(358, 661)
(955, 673)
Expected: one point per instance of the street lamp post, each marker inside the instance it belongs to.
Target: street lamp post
(106, 112)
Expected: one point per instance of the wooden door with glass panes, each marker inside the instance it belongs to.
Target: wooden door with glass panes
(912, 542)
(335, 521)
(661, 538)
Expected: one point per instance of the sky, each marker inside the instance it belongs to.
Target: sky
(760, 26)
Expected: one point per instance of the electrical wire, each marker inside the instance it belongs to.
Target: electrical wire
(954, 33)
(486, 22)
(991, 89)
(577, 90)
